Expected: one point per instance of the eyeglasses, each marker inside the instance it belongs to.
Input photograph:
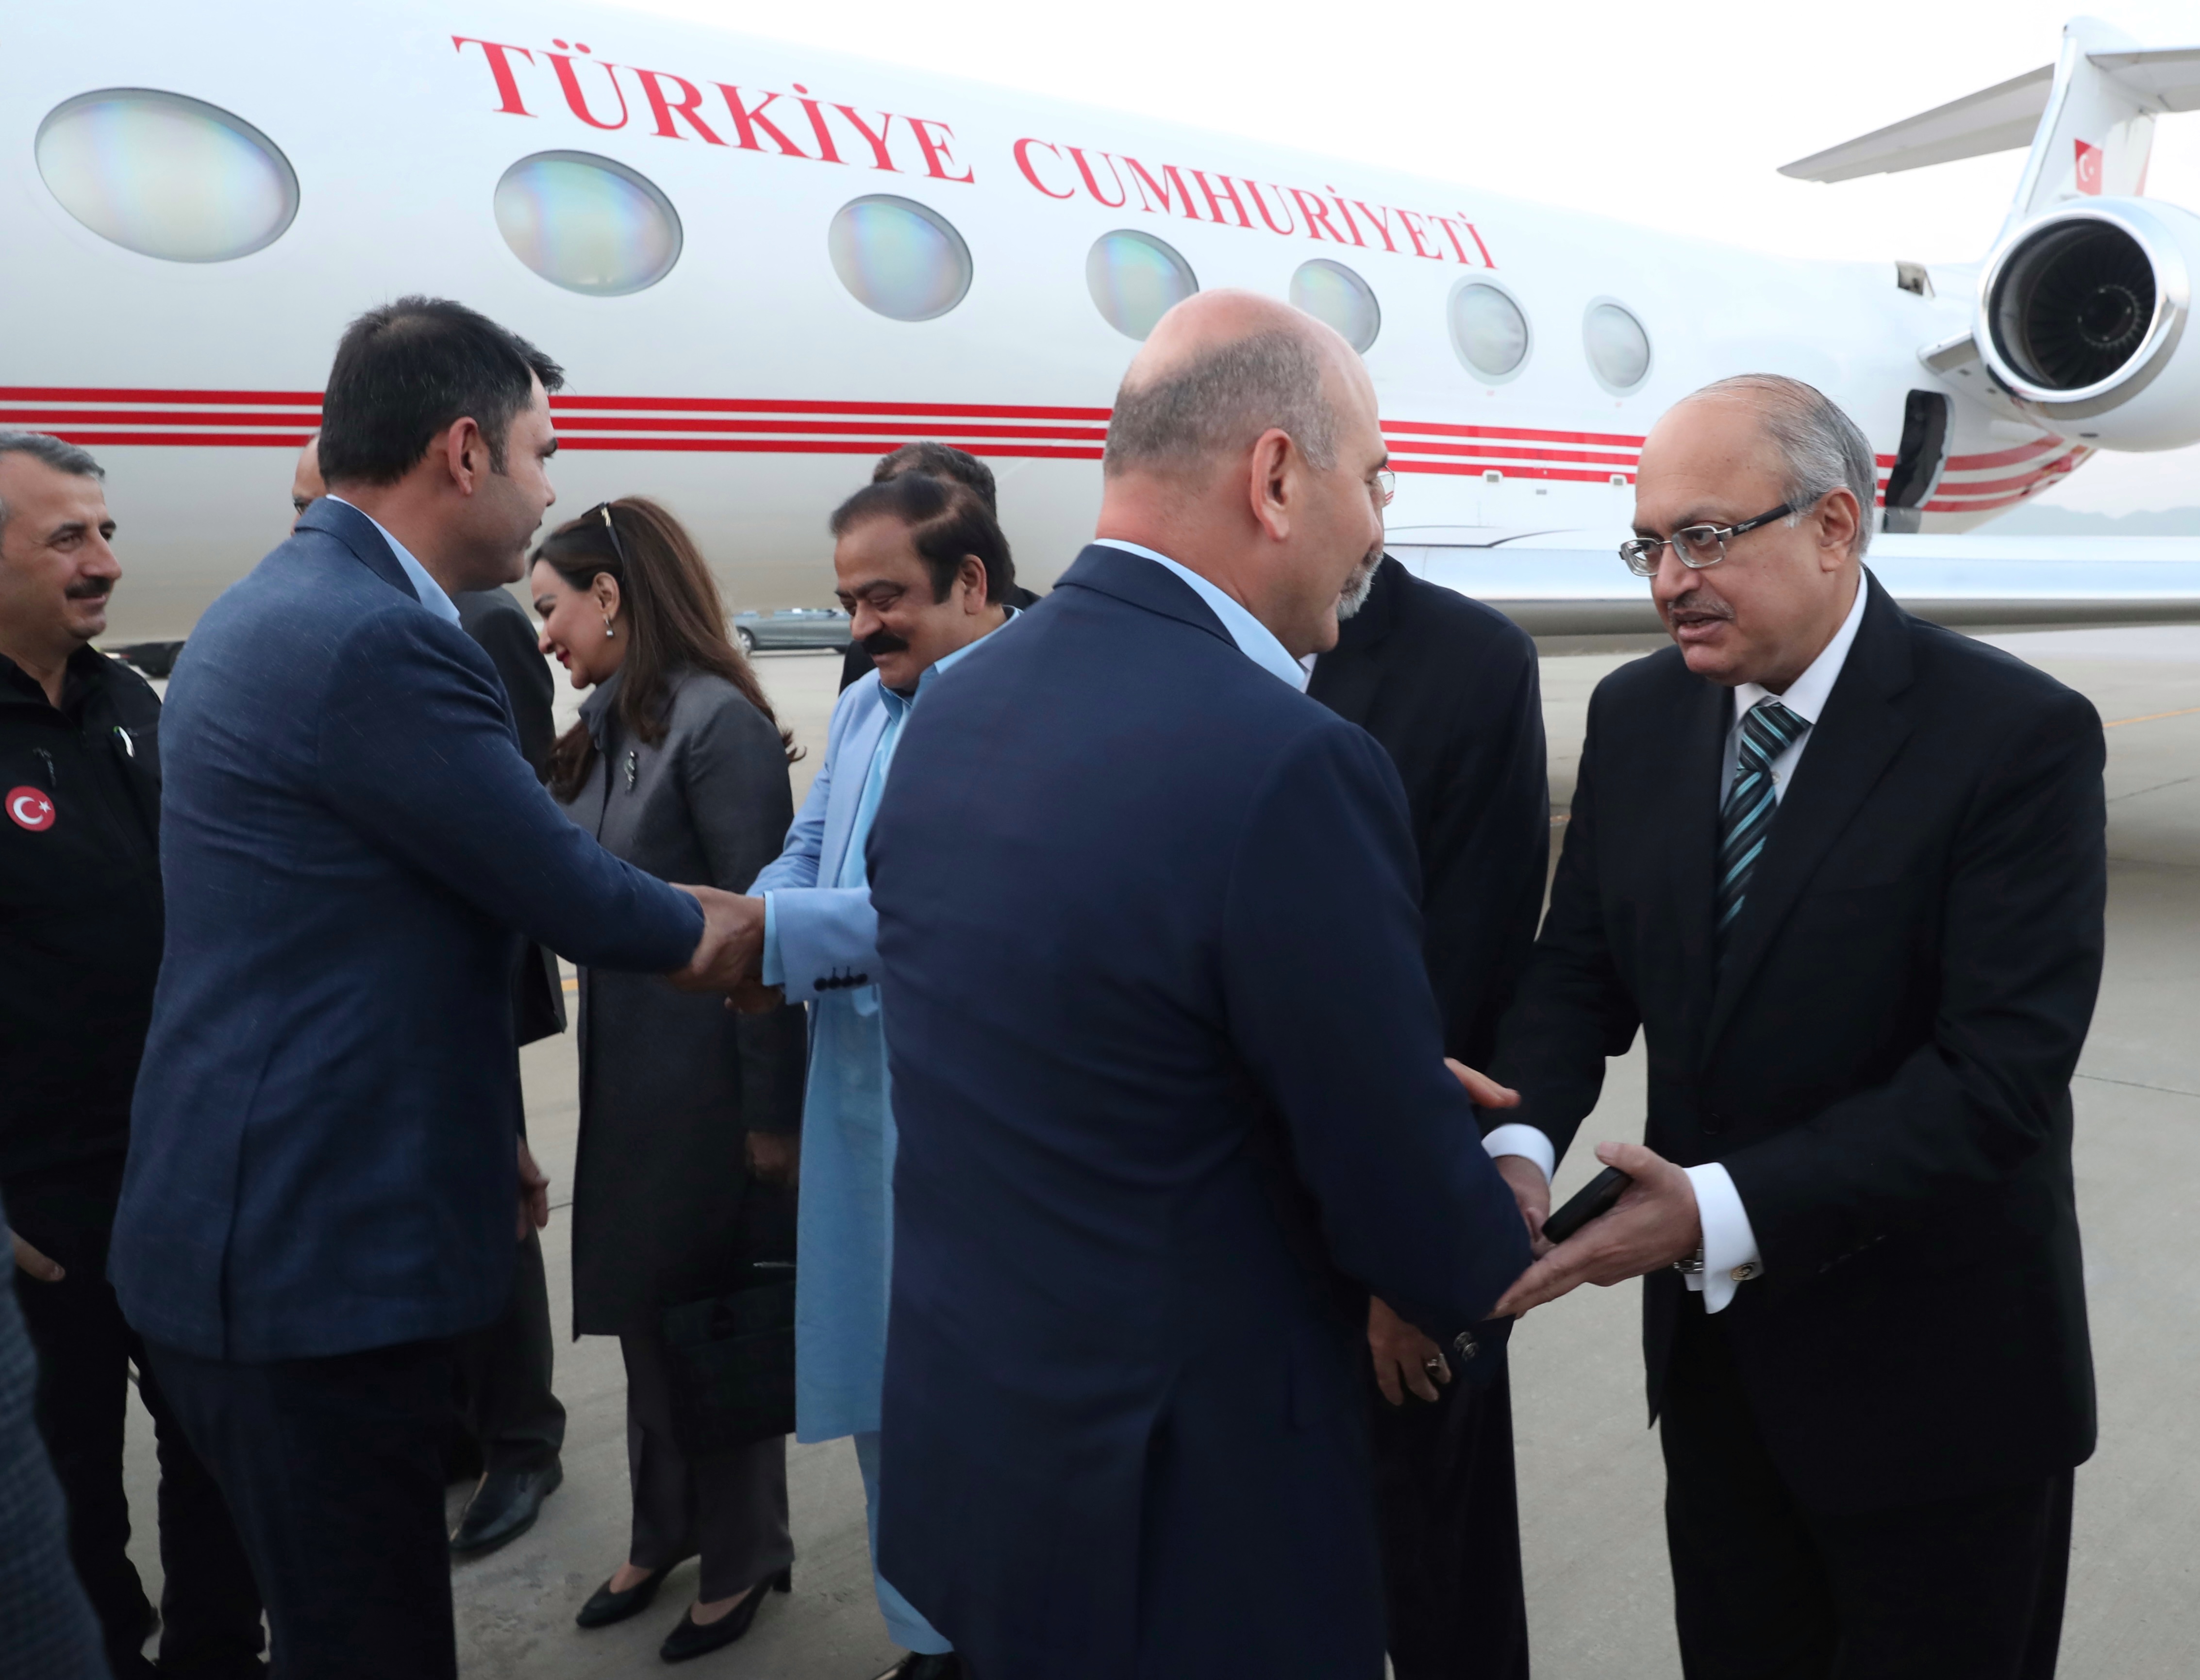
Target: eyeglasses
(604, 509)
(1694, 546)
(1385, 484)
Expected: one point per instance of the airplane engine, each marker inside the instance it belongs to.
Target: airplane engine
(2085, 319)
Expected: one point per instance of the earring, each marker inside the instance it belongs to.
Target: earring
(608, 630)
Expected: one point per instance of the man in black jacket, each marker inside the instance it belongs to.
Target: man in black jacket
(1846, 870)
(80, 930)
(510, 1427)
(1452, 690)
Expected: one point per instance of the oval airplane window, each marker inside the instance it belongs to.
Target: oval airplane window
(1488, 330)
(587, 223)
(1135, 280)
(166, 176)
(1618, 350)
(898, 257)
(1333, 293)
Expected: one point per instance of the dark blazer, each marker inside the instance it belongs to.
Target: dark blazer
(1883, 1064)
(1167, 1071)
(1452, 689)
(321, 1148)
(501, 625)
(673, 1082)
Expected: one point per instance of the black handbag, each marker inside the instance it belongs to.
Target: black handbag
(731, 1356)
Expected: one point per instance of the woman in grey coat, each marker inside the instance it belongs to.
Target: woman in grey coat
(688, 1111)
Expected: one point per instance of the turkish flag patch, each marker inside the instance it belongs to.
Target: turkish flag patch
(30, 809)
(2089, 169)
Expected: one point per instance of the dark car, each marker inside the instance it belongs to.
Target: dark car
(792, 627)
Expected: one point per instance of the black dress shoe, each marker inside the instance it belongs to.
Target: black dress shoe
(606, 1607)
(927, 1665)
(504, 1507)
(690, 1640)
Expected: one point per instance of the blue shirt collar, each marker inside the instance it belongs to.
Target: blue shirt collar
(898, 705)
(424, 586)
(1254, 639)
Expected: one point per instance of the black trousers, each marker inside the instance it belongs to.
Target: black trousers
(1966, 1588)
(334, 1470)
(504, 1368)
(209, 1607)
(1450, 1522)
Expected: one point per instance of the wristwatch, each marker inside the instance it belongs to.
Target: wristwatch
(1692, 1264)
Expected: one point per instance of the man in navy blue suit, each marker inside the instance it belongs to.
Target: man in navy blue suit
(1167, 1069)
(320, 1190)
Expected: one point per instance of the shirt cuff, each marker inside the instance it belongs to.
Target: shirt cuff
(771, 970)
(1530, 1142)
(1730, 1257)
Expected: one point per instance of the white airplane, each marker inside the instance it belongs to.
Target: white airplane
(763, 264)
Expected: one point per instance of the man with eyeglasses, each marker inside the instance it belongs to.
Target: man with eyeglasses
(1846, 872)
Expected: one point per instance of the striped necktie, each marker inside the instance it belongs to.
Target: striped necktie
(1767, 729)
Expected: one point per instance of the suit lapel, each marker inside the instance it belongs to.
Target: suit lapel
(1690, 791)
(1848, 751)
(855, 756)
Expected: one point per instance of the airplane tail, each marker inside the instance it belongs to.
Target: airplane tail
(2088, 119)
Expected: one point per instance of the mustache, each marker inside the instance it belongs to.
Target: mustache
(1696, 604)
(89, 589)
(882, 641)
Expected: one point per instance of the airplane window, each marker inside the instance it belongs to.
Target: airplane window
(1331, 292)
(1618, 350)
(166, 176)
(1488, 330)
(587, 223)
(1135, 280)
(898, 258)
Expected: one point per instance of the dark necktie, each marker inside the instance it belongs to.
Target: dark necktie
(1767, 729)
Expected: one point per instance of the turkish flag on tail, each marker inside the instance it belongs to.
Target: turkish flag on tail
(2089, 169)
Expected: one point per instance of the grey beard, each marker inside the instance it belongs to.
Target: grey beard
(1358, 587)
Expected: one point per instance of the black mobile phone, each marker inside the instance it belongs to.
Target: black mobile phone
(1594, 1197)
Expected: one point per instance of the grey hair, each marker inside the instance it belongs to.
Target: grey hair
(43, 446)
(1224, 401)
(1821, 449)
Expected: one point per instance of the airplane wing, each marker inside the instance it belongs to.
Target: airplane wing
(1568, 583)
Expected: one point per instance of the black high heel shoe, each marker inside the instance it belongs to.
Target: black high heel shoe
(688, 1640)
(606, 1607)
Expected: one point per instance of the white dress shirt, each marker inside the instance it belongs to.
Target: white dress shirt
(424, 586)
(1730, 1252)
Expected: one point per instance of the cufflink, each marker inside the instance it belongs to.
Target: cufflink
(1743, 1273)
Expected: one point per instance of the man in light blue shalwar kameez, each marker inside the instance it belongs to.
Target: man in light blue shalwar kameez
(820, 946)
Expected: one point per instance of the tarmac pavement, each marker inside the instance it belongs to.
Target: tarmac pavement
(1591, 1480)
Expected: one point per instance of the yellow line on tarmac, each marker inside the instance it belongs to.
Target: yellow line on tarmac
(2153, 717)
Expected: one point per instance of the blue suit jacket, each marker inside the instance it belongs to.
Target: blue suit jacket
(1167, 1073)
(321, 1147)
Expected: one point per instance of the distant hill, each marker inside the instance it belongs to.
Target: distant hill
(2037, 521)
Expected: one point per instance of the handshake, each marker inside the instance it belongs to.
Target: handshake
(728, 956)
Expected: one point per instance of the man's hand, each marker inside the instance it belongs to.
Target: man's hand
(1653, 1224)
(534, 1194)
(775, 1157)
(753, 997)
(1404, 1358)
(1531, 1191)
(732, 942)
(28, 1259)
(1485, 1090)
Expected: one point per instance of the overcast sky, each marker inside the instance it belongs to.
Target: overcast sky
(1676, 115)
